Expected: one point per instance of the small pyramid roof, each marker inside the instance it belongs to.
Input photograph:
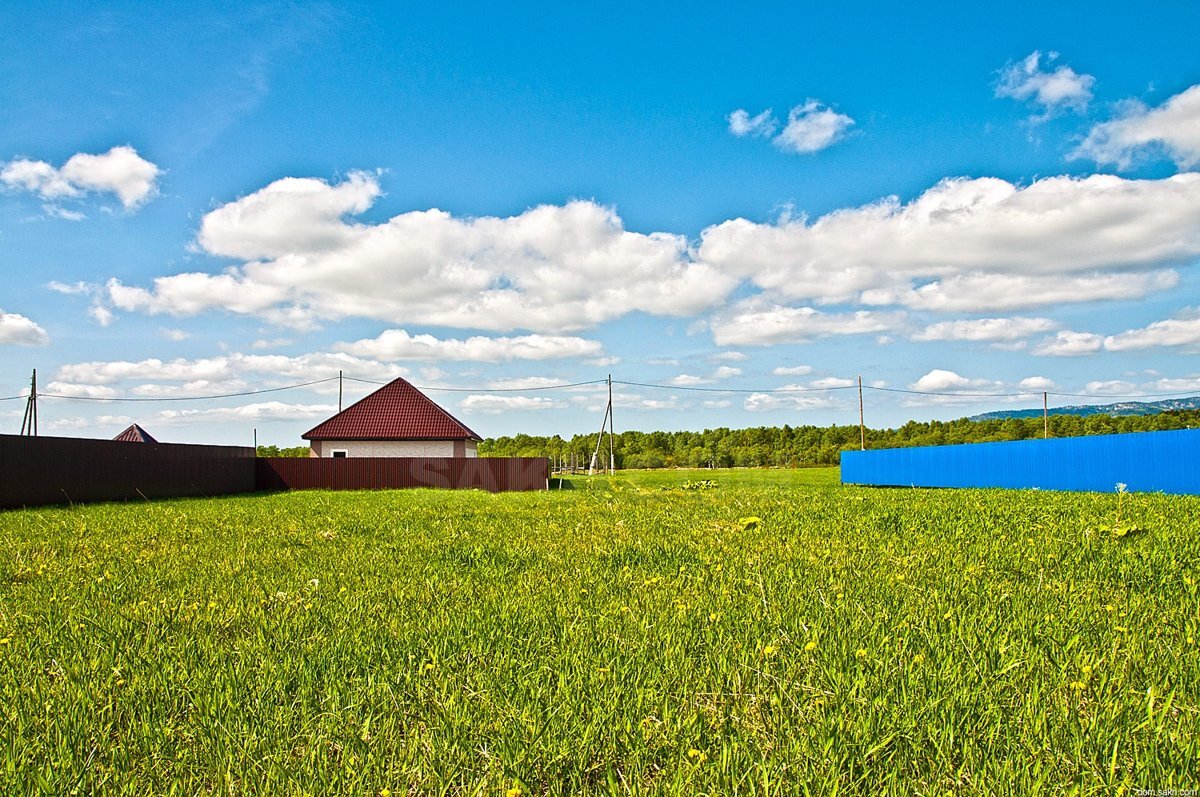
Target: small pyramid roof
(397, 411)
(135, 434)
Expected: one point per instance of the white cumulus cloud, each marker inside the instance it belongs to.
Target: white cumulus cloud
(983, 292)
(1077, 239)
(120, 171)
(940, 380)
(792, 370)
(1068, 343)
(758, 322)
(398, 344)
(1173, 127)
(549, 269)
(1037, 383)
(213, 374)
(84, 391)
(78, 422)
(985, 329)
(1112, 388)
(775, 402)
(812, 127)
(1176, 384)
(832, 382)
(495, 405)
(721, 372)
(1050, 88)
(259, 411)
(17, 330)
(741, 123)
(963, 246)
(1183, 331)
(527, 382)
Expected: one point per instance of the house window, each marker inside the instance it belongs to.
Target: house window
(338, 453)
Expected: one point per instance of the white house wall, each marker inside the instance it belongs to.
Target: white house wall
(391, 448)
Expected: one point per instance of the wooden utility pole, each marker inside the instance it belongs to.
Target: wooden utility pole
(339, 391)
(606, 422)
(29, 424)
(862, 429)
(612, 461)
(1045, 415)
(599, 440)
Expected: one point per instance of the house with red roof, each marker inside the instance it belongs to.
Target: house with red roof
(395, 421)
(135, 434)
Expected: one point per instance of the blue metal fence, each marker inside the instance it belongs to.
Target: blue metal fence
(1144, 462)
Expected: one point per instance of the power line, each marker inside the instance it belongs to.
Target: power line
(1128, 395)
(564, 386)
(188, 398)
(489, 389)
(736, 390)
(300, 385)
(960, 394)
(947, 393)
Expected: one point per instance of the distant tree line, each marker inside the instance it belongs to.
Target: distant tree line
(276, 451)
(810, 446)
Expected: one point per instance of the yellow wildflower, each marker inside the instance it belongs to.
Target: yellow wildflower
(811, 645)
(862, 653)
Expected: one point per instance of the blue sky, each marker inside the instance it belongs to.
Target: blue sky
(953, 199)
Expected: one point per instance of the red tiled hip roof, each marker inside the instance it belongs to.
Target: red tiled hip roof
(397, 411)
(135, 434)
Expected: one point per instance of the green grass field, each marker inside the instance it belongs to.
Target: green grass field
(776, 634)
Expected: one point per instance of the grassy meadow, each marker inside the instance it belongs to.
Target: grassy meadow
(776, 633)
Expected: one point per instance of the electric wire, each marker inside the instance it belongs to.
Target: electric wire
(737, 390)
(488, 389)
(958, 394)
(964, 394)
(188, 398)
(1127, 395)
(650, 385)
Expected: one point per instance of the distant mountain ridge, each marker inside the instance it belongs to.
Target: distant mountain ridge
(1119, 408)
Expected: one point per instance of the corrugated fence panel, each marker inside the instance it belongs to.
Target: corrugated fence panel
(58, 470)
(1144, 462)
(495, 474)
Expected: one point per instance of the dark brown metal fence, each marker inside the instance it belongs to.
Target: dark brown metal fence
(495, 474)
(60, 470)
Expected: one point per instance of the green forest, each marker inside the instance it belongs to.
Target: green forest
(810, 446)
